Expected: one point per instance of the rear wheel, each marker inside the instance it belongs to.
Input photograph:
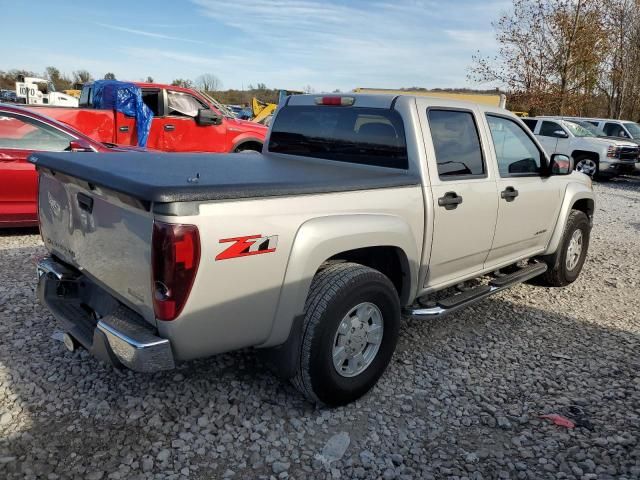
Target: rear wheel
(566, 264)
(350, 330)
(248, 147)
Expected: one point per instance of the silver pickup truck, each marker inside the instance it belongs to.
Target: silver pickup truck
(361, 209)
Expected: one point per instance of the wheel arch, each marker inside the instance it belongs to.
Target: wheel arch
(362, 238)
(585, 153)
(256, 143)
(577, 197)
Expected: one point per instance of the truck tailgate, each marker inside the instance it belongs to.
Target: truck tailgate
(105, 234)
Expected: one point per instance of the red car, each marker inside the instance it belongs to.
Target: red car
(23, 132)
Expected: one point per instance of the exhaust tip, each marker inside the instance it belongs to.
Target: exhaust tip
(70, 343)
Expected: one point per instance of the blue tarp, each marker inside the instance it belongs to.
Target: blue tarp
(124, 97)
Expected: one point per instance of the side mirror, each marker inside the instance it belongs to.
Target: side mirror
(560, 134)
(208, 117)
(560, 164)
(79, 146)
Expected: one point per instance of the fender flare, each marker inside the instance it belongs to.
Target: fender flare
(574, 192)
(312, 247)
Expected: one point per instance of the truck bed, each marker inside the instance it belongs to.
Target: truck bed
(167, 177)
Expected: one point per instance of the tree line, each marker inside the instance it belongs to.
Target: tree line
(567, 57)
(61, 81)
(207, 82)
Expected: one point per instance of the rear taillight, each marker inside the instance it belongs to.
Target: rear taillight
(175, 255)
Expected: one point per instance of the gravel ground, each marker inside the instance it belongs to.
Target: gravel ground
(462, 398)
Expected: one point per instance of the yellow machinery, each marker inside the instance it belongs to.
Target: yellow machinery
(73, 92)
(263, 111)
(492, 99)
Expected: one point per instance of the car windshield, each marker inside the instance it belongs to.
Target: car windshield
(633, 128)
(589, 126)
(578, 130)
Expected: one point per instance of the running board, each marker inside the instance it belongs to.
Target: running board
(474, 295)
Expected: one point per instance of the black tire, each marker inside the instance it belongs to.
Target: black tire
(247, 149)
(559, 275)
(580, 158)
(334, 291)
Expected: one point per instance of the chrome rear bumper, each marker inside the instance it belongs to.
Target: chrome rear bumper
(109, 330)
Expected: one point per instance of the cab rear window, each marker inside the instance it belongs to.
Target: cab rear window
(370, 136)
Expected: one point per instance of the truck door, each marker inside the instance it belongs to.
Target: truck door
(529, 202)
(125, 129)
(465, 201)
(183, 134)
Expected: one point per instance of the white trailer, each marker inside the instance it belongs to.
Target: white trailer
(38, 91)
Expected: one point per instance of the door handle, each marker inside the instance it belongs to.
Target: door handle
(509, 194)
(124, 129)
(450, 200)
(85, 202)
(169, 128)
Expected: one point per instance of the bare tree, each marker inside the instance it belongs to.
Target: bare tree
(208, 82)
(60, 81)
(549, 53)
(182, 82)
(82, 76)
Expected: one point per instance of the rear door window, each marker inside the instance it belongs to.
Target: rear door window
(151, 98)
(370, 136)
(20, 132)
(86, 99)
(456, 143)
(531, 124)
(550, 129)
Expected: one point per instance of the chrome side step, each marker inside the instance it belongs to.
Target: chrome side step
(475, 295)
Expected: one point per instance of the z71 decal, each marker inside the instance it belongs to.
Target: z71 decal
(249, 245)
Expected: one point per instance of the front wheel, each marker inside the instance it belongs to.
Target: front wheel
(566, 264)
(586, 165)
(350, 330)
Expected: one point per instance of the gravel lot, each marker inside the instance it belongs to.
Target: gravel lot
(462, 398)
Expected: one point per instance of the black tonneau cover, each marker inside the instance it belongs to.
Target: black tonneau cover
(172, 177)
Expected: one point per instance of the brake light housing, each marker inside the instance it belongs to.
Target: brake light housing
(175, 256)
(334, 100)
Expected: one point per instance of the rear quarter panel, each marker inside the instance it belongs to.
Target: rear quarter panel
(233, 302)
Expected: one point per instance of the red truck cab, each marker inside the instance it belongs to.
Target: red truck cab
(176, 125)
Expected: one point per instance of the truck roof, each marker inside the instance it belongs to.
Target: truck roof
(383, 100)
(156, 85)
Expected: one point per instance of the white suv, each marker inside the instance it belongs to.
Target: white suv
(592, 155)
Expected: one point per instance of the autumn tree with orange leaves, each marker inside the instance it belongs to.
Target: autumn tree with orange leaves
(567, 57)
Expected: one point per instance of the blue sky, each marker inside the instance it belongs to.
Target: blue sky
(282, 43)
